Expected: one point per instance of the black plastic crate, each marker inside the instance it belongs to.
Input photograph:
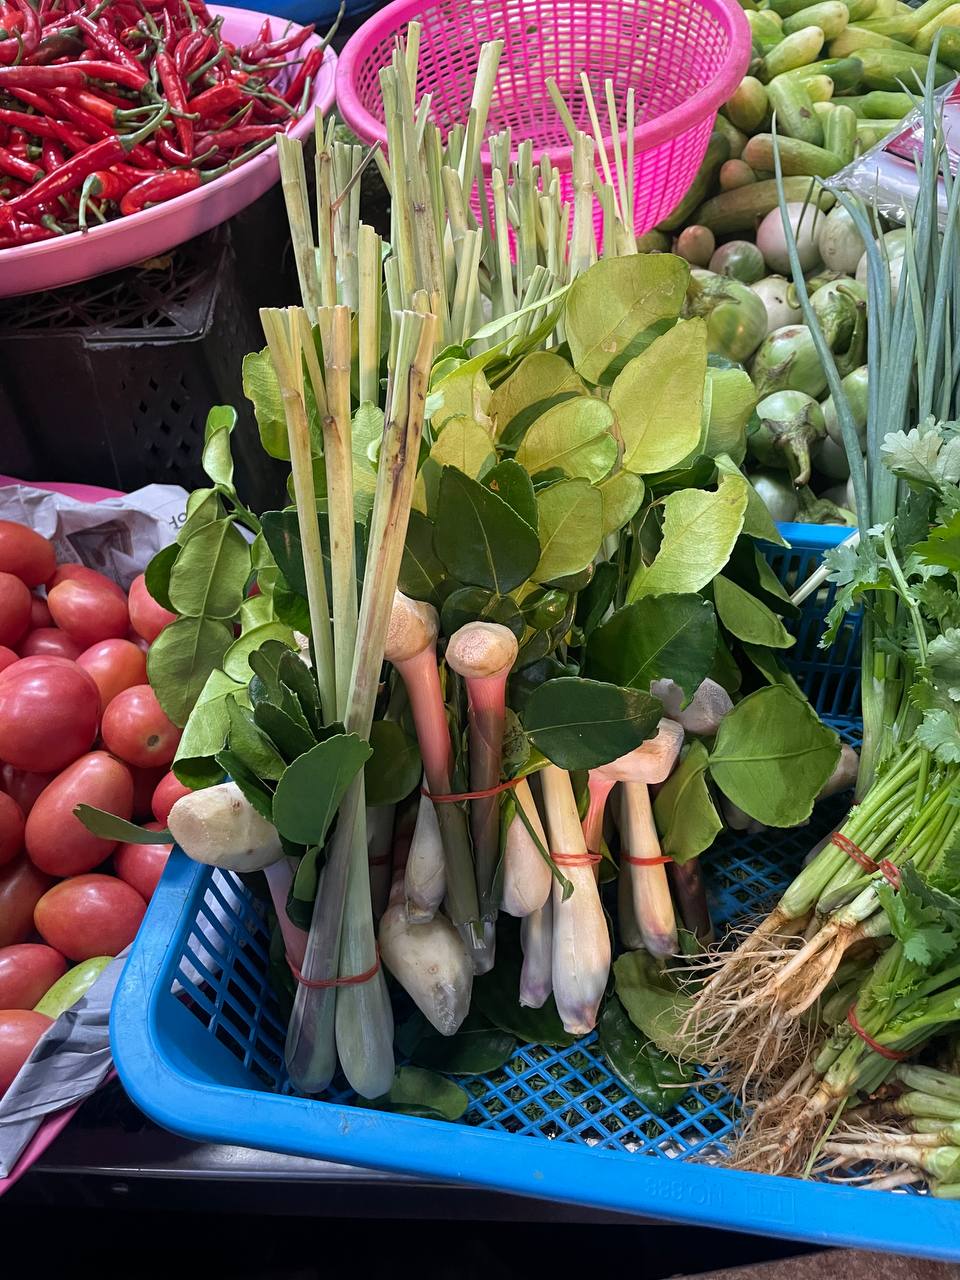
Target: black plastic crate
(110, 381)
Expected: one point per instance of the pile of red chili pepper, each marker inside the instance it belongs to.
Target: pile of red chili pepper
(110, 106)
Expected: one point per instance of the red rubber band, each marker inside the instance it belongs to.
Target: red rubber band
(318, 984)
(890, 1054)
(891, 872)
(644, 862)
(587, 859)
(853, 851)
(456, 796)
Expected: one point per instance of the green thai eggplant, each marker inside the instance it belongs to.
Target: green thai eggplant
(736, 318)
(788, 361)
(790, 422)
(855, 386)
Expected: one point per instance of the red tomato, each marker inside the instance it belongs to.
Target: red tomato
(14, 609)
(89, 916)
(144, 785)
(80, 573)
(39, 613)
(11, 830)
(22, 886)
(24, 787)
(7, 657)
(114, 665)
(49, 709)
(49, 640)
(25, 553)
(141, 865)
(58, 842)
(20, 1029)
(135, 728)
(146, 616)
(169, 790)
(88, 612)
(27, 972)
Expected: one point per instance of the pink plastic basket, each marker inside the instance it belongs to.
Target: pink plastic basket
(683, 58)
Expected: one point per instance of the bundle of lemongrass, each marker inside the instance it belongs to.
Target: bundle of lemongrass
(760, 1014)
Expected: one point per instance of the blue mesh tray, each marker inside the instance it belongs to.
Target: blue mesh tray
(198, 1043)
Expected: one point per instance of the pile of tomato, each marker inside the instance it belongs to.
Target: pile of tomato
(79, 724)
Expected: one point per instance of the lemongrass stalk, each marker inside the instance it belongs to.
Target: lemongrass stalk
(605, 196)
(380, 837)
(456, 228)
(628, 930)
(599, 787)
(411, 55)
(483, 653)
(652, 903)
(583, 246)
(581, 943)
(421, 213)
(326, 258)
(527, 213)
(338, 460)
(536, 940)
(347, 162)
(507, 299)
(526, 873)
(368, 315)
(311, 1059)
(629, 243)
(279, 877)
(285, 355)
(557, 98)
(401, 233)
(631, 212)
(483, 84)
(461, 310)
(598, 137)
(294, 182)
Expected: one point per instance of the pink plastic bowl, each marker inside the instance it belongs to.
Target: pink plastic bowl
(683, 58)
(52, 263)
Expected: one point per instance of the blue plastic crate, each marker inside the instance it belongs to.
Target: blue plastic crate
(198, 1043)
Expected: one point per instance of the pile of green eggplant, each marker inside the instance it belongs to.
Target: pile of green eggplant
(837, 76)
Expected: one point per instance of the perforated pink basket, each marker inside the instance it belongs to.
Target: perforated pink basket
(683, 58)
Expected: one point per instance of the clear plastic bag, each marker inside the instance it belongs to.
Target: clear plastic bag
(886, 175)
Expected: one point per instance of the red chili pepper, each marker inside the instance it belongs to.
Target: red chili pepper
(42, 77)
(176, 96)
(109, 72)
(258, 51)
(111, 46)
(98, 129)
(176, 182)
(59, 45)
(51, 155)
(99, 155)
(185, 48)
(242, 136)
(222, 97)
(17, 168)
(308, 68)
(19, 231)
(23, 43)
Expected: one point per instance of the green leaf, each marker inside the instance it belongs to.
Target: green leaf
(943, 660)
(236, 661)
(249, 783)
(942, 547)
(597, 596)
(700, 530)
(617, 300)
(290, 608)
(246, 741)
(772, 756)
(570, 517)
(157, 575)
(732, 398)
(394, 768)
(771, 669)
(652, 1077)
(367, 434)
(217, 460)
(621, 495)
(658, 399)
(281, 532)
(261, 387)
(422, 572)
(497, 996)
(298, 678)
(288, 734)
(757, 520)
(463, 445)
(304, 887)
(653, 1004)
(748, 618)
(572, 439)
(206, 733)
(579, 724)
(476, 1049)
(541, 380)
(309, 793)
(180, 662)
(203, 508)
(416, 1092)
(460, 392)
(265, 664)
(211, 572)
(480, 538)
(939, 732)
(658, 638)
(510, 482)
(927, 457)
(686, 818)
(109, 827)
(473, 604)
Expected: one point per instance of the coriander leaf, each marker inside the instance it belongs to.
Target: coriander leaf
(943, 660)
(943, 545)
(938, 603)
(927, 457)
(939, 732)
